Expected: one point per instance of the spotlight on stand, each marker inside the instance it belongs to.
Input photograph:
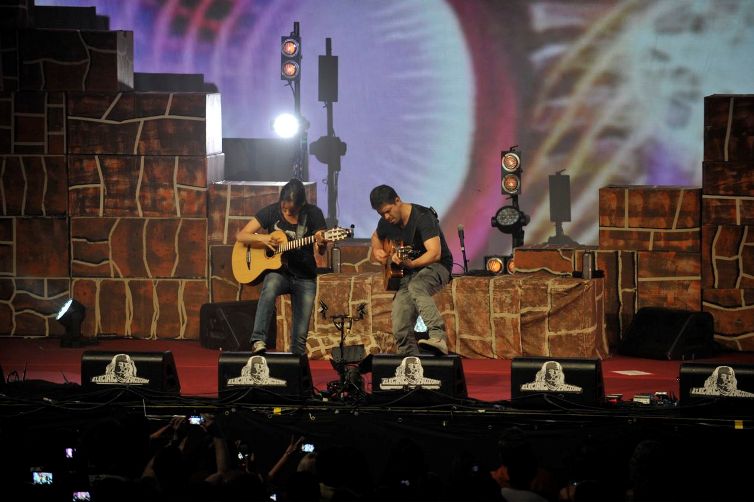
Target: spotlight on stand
(510, 219)
(286, 125)
(290, 55)
(510, 174)
(71, 316)
(497, 265)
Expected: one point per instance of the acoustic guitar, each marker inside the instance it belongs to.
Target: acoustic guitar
(249, 262)
(394, 273)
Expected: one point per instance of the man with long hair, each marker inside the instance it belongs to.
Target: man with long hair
(298, 275)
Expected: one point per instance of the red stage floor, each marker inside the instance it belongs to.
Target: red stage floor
(486, 379)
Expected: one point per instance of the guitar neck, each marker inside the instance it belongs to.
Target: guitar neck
(294, 244)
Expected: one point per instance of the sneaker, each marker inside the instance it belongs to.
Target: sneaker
(438, 346)
(258, 347)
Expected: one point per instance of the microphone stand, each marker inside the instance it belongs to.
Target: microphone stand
(463, 251)
(350, 384)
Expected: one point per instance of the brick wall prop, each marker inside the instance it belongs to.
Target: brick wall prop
(223, 286)
(486, 317)
(728, 256)
(728, 135)
(28, 306)
(76, 60)
(141, 308)
(139, 247)
(619, 268)
(544, 259)
(138, 185)
(33, 185)
(649, 218)
(728, 193)
(15, 14)
(231, 204)
(32, 123)
(8, 54)
(668, 279)
(733, 312)
(34, 247)
(145, 123)
(354, 257)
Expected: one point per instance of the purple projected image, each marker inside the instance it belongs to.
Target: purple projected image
(430, 93)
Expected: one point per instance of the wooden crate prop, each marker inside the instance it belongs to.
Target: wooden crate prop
(728, 134)
(728, 256)
(733, 312)
(33, 185)
(144, 123)
(34, 247)
(649, 218)
(233, 203)
(28, 306)
(76, 60)
(485, 317)
(32, 123)
(139, 247)
(668, 279)
(141, 308)
(138, 185)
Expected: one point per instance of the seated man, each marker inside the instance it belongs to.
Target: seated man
(423, 276)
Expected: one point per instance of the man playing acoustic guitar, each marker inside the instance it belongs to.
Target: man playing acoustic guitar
(297, 276)
(423, 276)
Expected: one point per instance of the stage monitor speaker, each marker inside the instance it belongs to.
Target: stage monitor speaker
(660, 333)
(228, 326)
(721, 383)
(538, 381)
(269, 378)
(411, 380)
(154, 371)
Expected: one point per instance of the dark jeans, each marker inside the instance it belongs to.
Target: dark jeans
(413, 299)
(302, 293)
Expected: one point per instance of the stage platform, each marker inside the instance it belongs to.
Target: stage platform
(50, 412)
(488, 380)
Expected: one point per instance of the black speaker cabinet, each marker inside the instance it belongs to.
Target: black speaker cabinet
(731, 384)
(150, 370)
(660, 333)
(270, 378)
(228, 325)
(535, 379)
(410, 380)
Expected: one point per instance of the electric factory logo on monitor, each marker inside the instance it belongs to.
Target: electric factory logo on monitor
(256, 372)
(410, 373)
(120, 371)
(550, 378)
(722, 382)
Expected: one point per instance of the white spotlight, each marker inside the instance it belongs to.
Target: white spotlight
(286, 125)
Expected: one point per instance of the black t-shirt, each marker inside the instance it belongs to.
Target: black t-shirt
(299, 262)
(422, 225)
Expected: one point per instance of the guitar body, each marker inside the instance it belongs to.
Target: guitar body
(249, 262)
(393, 273)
